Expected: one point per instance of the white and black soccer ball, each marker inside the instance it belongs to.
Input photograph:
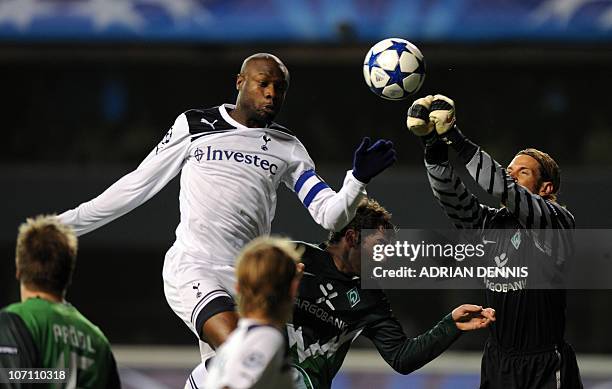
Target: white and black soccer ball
(394, 69)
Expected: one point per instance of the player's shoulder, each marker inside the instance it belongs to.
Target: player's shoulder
(10, 319)
(42, 313)
(251, 333)
(206, 120)
(313, 253)
(32, 309)
(14, 308)
(562, 214)
(254, 330)
(34, 312)
(282, 129)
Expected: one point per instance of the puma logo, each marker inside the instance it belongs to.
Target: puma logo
(212, 125)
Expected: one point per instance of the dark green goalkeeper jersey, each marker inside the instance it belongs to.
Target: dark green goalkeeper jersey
(44, 334)
(331, 311)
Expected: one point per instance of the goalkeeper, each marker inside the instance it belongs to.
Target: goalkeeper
(529, 331)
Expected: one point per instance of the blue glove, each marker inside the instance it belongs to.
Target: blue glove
(371, 160)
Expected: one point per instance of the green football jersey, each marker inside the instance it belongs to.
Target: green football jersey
(62, 338)
(332, 310)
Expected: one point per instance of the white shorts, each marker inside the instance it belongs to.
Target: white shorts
(197, 290)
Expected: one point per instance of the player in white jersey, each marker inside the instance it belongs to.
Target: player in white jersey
(256, 354)
(232, 158)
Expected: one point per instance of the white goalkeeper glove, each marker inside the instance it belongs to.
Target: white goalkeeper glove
(442, 113)
(418, 116)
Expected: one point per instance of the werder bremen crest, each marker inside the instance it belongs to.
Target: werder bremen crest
(516, 239)
(353, 297)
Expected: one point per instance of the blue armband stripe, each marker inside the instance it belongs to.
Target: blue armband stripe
(313, 193)
(300, 182)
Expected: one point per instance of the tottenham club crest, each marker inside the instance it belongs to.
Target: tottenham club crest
(266, 139)
(198, 154)
(196, 286)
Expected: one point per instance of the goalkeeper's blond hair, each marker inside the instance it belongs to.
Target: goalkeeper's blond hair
(265, 271)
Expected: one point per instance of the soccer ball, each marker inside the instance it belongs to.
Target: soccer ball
(394, 69)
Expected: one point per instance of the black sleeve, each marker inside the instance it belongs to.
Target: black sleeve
(404, 354)
(17, 348)
(465, 148)
(531, 210)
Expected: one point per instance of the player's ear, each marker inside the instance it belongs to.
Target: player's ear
(239, 80)
(351, 237)
(546, 189)
(237, 287)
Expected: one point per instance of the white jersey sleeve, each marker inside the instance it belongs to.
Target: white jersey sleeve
(332, 210)
(251, 362)
(133, 189)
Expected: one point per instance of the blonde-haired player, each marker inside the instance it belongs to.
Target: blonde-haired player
(43, 330)
(255, 354)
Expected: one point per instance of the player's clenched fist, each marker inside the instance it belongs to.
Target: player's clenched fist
(418, 116)
(442, 113)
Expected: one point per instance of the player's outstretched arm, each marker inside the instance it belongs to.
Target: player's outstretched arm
(531, 210)
(406, 355)
(458, 203)
(133, 189)
(334, 210)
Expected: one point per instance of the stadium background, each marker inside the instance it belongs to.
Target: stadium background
(90, 86)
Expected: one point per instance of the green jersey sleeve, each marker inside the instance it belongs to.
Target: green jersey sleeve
(404, 354)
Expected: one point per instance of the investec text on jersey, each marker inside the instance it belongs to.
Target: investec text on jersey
(248, 159)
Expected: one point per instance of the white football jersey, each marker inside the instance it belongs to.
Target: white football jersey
(230, 174)
(253, 356)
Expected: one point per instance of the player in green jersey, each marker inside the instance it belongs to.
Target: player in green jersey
(43, 330)
(332, 310)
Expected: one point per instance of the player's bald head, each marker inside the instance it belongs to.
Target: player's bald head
(255, 59)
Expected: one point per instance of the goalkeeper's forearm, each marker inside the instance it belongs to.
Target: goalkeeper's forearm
(464, 147)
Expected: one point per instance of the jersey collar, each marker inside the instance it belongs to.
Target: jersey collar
(228, 118)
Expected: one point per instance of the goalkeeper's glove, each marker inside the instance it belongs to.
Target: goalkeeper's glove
(370, 160)
(442, 113)
(418, 117)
